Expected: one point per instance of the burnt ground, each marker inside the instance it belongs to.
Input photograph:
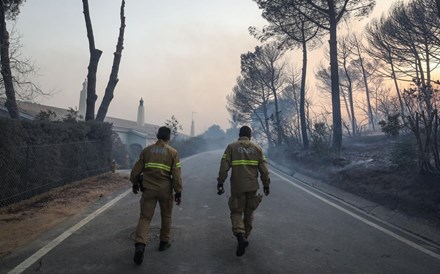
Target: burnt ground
(366, 167)
(22, 222)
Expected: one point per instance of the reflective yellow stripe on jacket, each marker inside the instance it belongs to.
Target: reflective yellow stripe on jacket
(158, 166)
(244, 163)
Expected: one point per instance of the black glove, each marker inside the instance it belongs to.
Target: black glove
(266, 190)
(135, 188)
(140, 179)
(220, 189)
(178, 198)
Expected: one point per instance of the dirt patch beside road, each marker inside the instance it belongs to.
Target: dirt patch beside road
(23, 222)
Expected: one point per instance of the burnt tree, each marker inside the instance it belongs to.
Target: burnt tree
(95, 55)
(113, 81)
(290, 30)
(327, 15)
(8, 8)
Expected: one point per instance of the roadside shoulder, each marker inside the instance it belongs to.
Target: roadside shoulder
(417, 226)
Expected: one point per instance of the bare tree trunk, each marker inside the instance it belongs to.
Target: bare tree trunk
(11, 103)
(357, 45)
(347, 109)
(421, 155)
(367, 90)
(428, 123)
(265, 125)
(273, 90)
(421, 82)
(113, 81)
(346, 127)
(438, 7)
(425, 148)
(436, 139)
(298, 116)
(353, 117)
(350, 99)
(302, 98)
(277, 117)
(95, 54)
(427, 91)
(336, 103)
(399, 95)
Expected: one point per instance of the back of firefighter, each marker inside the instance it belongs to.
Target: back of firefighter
(160, 168)
(247, 161)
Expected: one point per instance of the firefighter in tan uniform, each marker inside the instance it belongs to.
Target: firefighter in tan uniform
(160, 168)
(246, 160)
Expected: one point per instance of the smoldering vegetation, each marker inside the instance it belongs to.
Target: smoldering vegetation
(379, 168)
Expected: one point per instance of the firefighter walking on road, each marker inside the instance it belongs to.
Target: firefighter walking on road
(247, 161)
(156, 173)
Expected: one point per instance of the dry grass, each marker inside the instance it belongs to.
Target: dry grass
(23, 222)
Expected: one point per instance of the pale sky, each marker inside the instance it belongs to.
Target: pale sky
(181, 56)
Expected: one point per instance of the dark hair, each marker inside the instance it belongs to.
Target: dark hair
(164, 133)
(245, 131)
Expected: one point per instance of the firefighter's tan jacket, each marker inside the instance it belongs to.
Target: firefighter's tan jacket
(246, 159)
(160, 166)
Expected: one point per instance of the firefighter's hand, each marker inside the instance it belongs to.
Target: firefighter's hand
(135, 188)
(140, 179)
(266, 190)
(220, 189)
(178, 198)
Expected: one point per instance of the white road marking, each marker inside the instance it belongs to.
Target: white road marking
(52, 244)
(360, 218)
(45, 249)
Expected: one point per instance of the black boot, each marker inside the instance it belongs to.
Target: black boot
(164, 245)
(242, 244)
(139, 249)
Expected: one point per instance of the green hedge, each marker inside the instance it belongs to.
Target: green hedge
(38, 155)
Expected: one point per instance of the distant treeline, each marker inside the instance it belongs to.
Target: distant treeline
(198, 144)
(213, 138)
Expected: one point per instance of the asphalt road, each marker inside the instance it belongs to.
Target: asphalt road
(296, 230)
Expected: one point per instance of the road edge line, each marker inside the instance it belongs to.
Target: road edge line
(362, 219)
(428, 241)
(52, 244)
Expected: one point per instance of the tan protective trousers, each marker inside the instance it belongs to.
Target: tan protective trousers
(148, 203)
(242, 206)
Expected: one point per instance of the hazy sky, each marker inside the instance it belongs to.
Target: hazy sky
(181, 56)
